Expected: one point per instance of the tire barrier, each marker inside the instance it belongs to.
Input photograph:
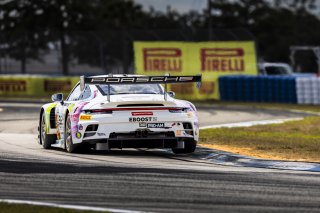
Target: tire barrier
(281, 89)
(308, 90)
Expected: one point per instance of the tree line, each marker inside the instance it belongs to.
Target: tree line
(29, 27)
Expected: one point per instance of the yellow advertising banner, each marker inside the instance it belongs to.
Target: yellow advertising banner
(35, 86)
(211, 59)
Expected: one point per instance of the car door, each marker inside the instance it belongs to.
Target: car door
(62, 108)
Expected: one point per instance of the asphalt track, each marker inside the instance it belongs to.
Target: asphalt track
(145, 180)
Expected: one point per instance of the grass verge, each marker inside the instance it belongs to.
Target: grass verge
(280, 106)
(293, 140)
(17, 208)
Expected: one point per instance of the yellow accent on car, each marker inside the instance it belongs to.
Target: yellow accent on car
(47, 116)
(85, 117)
(70, 107)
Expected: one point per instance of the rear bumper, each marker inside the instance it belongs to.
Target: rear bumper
(138, 139)
(141, 143)
(120, 129)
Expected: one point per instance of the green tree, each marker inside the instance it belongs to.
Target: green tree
(22, 38)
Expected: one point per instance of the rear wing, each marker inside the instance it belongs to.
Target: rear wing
(140, 80)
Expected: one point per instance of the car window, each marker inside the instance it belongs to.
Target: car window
(86, 93)
(132, 89)
(74, 95)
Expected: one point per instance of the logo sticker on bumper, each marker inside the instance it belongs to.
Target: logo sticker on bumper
(85, 117)
(142, 119)
(155, 125)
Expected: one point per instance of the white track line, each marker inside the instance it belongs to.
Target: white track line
(251, 123)
(75, 207)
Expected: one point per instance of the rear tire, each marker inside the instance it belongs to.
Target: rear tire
(189, 147)
(45, 139)
(68, 144)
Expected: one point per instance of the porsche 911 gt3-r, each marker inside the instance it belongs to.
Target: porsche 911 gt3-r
(121, 111)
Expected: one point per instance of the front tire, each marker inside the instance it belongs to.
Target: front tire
(68, 144)
(45, 139)
(189, 147)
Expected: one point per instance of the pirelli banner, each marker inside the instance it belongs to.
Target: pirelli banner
(211, 59)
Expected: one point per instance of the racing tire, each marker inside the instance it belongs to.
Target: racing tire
(68, 144)
(45, 139)
(189, 147)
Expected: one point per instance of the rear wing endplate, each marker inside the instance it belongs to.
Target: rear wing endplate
(140, 80)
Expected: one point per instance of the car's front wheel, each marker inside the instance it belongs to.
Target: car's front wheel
(189, 147)
(46, 139)
(68, 144)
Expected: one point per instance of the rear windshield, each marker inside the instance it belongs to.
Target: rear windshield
(116, 89)
(277, 70)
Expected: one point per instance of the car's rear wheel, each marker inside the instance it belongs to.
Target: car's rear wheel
(68, 144)
(46, 139)
(189, 147)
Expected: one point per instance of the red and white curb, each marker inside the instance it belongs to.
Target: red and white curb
(74, 207)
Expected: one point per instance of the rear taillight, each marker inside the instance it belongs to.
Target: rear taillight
(98, 111)
(180, 110)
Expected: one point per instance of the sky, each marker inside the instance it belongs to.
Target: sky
(179, 5)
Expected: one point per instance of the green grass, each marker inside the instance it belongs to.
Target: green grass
(23, 208)
(294, 140)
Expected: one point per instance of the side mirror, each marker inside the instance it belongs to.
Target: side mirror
(171, 94)
(58, 97)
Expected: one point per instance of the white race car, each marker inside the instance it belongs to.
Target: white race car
(121, 111)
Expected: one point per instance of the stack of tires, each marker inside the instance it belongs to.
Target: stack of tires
(281, 89)
(308, 90)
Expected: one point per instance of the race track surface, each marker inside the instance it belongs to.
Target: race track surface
(156, 181)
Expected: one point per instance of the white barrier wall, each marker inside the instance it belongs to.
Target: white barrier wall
(308, 90)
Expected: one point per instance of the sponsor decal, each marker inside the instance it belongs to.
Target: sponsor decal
(142, 79)
(85, 117)
(155, 125)
(142, 119)
(59, 123)
(222, 59)
(162, 59)
(141, 113)
(178, 132)
(78, 135)
(142, 124)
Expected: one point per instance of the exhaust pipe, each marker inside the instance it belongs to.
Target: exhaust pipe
(180, 145)
(145, 134)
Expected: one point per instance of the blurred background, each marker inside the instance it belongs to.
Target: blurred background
(75, 37)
